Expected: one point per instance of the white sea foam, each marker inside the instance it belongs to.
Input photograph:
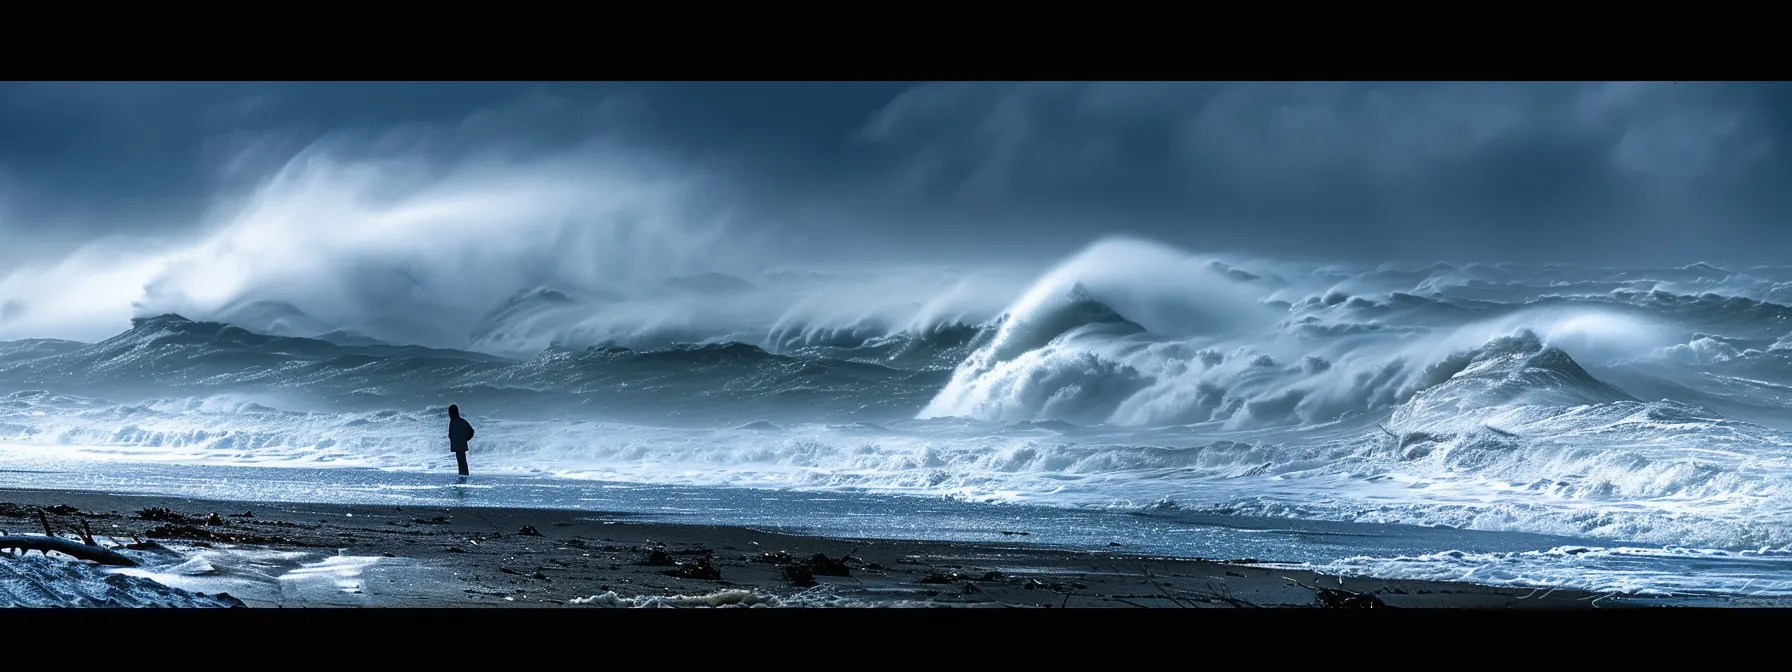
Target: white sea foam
(816, 597)
(39, 581)
(1638, 406)
(1615, 571)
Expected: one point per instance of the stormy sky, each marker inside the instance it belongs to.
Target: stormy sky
(1665, 172)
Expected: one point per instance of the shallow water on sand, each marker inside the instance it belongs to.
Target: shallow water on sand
(1389, 551)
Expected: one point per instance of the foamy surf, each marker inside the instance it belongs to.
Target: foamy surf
(54, 582)
(1616, 571)
(260, 576)
(1636, 407)
(818, 597)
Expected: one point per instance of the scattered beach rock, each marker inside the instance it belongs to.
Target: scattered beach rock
(529, 531)
(62, 510)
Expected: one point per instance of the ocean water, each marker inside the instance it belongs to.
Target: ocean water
(1611, 428)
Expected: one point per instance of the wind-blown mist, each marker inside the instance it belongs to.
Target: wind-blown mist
(500, 253)
(604, 318)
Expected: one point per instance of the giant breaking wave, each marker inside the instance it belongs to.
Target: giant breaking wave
(1638, 405)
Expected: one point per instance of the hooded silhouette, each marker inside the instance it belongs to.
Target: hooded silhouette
(459, 433)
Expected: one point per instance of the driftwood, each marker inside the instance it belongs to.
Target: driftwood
(69, 548)
(1338, 598)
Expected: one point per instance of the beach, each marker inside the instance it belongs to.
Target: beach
(287, 555)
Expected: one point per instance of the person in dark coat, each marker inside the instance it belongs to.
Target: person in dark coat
(459, 433)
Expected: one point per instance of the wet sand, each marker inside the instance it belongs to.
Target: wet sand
(331, 555)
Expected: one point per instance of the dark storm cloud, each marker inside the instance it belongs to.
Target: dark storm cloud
(1460, 170)
(1564, 171)
(79, 160)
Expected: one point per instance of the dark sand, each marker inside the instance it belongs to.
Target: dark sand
(479, 557)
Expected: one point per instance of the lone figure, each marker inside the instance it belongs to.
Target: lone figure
(459, 433)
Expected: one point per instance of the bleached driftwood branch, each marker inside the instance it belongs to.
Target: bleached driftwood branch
(73, 549)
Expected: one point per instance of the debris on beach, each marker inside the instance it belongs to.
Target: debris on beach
(826, 566)
(659, 556)
(799, 575)
(700, 568)
(162, 514)
(802, 572)
(772, 558)
(529, 531)
(191, 532)
(1339, 598)
(1334, 598)
(139, 544)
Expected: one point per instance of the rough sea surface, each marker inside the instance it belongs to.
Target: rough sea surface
(1641, 409)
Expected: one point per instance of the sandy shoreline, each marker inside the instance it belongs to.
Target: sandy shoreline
(331, 555)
